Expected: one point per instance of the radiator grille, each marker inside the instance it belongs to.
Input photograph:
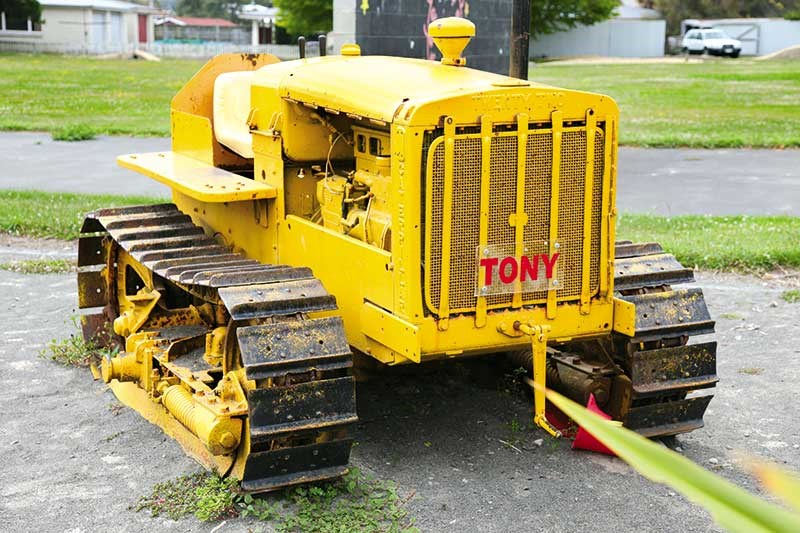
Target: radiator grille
(465, 215)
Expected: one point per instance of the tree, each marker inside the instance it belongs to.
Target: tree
(19, 11)
(548, 16)
(208, 8)
(675, 11)
(305, 17)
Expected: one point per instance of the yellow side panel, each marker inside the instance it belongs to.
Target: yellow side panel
(195, 178)
(391, 331)
(350, 269)
(192, 136)
(624, 317)
(463, 337)
(234, 224)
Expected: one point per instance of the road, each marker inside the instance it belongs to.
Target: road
(660, 181)
(75, 462)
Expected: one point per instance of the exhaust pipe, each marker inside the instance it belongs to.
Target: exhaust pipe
(520, 39)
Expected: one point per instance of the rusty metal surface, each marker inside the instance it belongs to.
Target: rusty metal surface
(162, 266)
(92, 290)
(157, 232)
(90, 251)
(650, 271)
(662, 368)
(668, 418)
(185, 273)
(297, 345)
(150, 245)
(271, 275)
(625, 249)
(288, 298)
(670, 313)
(309, 406)
(199, 251)
(155, 220)
(327, 459)
(666, 370)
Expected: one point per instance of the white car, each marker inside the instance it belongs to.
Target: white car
(710, 41)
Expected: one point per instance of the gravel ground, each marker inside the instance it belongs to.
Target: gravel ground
(75, 460)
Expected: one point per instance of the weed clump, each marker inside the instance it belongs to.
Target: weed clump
(74, 132)
(39, 266)
(352, 503)
(75, 350)
(791, 296)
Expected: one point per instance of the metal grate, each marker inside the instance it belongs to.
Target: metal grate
(465, 216)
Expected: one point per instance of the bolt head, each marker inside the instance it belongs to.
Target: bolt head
(227, 440)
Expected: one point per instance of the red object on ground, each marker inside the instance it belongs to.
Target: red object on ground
(584, 440)
(560, 421)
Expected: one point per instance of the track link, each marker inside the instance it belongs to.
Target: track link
(304, 395)
(663, 367)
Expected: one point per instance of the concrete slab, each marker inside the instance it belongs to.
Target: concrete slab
(715, 182)
(660, 181)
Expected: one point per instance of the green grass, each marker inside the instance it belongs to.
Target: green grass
(56, 215)
(352, 503)
(74, 350)
(39, 266)
(722, 242)
(714, 104)
(50, 92)
(791, 296)
(74, 132)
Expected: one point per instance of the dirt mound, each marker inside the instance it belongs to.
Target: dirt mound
(791, 52)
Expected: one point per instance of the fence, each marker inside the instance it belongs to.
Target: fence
(202, 50)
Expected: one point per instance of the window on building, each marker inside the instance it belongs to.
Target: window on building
(21, 15)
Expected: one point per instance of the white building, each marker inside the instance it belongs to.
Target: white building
(759, 36)
(83, 26)
(633, 32)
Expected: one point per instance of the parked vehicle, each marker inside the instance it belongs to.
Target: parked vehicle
(710, 41)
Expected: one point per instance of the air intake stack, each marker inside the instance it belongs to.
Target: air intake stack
(451, 35)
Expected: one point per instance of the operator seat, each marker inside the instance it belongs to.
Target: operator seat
(231, 110)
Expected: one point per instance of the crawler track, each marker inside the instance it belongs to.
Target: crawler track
(649, 381)
(302, 395)
(664, 368)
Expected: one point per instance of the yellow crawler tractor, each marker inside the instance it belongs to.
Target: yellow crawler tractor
(336, 210)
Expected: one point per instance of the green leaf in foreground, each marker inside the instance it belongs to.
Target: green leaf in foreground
(778, 481)
(732, 507)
